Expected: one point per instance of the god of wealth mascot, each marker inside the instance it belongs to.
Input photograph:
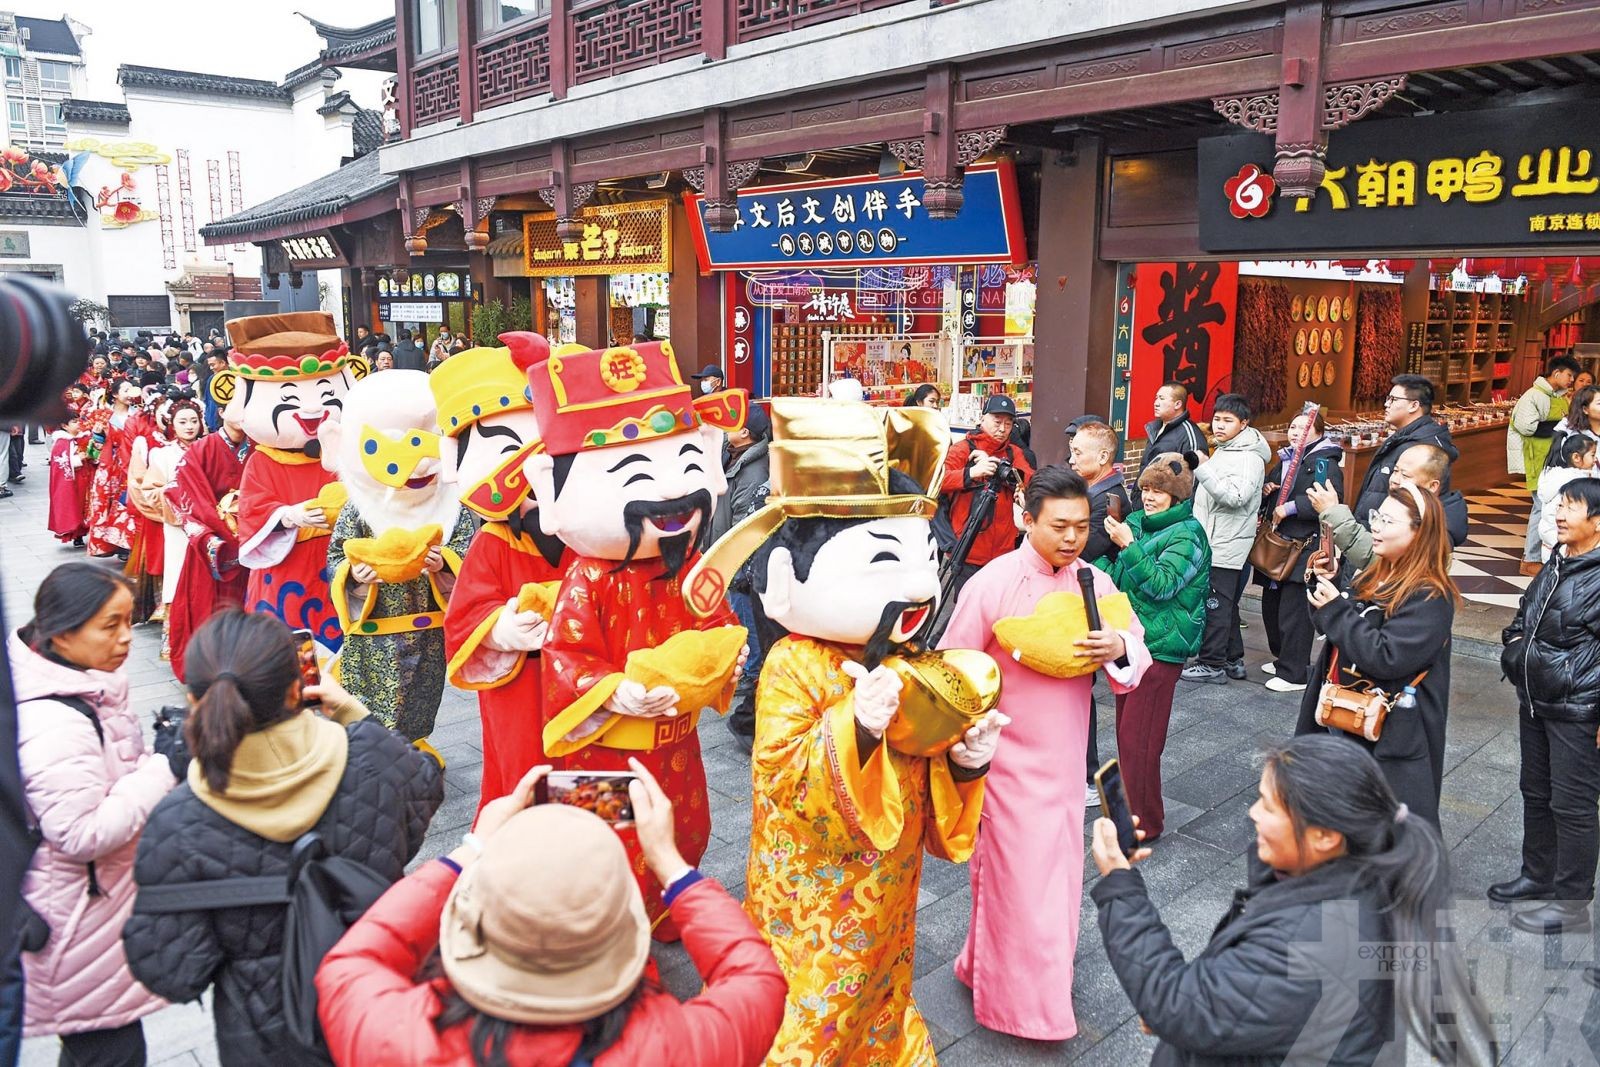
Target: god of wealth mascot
(396, 549)
(868, 750)
(500, 608)
(628, 479)
(287, 384)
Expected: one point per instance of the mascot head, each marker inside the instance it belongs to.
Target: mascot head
(288, 378)
(843, 550)
(486, 411)
(633, 459)
(385, 450)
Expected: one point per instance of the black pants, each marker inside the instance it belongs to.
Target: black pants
(1560, 786)
(11, 992)
(19, 441)
(1222, 643)
(1094, 739)
(1287, 615)
(122, 1047)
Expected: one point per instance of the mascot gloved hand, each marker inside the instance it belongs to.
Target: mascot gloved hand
(518, 631)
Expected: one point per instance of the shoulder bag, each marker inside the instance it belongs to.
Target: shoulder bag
(1358, 709)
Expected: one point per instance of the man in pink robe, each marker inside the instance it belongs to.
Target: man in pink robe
(1027, 871)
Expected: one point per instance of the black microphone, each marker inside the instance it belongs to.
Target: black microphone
(1091, 606)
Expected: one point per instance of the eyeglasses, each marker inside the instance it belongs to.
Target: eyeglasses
(1377, 520)
(1402, 399)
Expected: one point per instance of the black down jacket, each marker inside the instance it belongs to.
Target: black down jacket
(1552, 652)
(1294, 966)
(378, 816)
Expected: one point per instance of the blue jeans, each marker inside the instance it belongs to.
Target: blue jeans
(744, 607)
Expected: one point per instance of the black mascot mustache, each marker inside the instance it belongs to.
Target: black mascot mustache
(675, 548)
(880, 646)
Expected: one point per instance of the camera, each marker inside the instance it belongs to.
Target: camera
(1005, 473)
(43, 349)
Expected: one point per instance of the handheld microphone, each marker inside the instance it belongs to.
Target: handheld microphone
(1091, 605)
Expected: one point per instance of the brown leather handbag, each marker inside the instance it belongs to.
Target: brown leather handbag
(1356, 709)
(1273, 554)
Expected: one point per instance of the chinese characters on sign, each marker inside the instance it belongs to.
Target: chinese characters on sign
(310, 249)
(625, 239)
(1180, 329)
(864, 221)
(1516, 176)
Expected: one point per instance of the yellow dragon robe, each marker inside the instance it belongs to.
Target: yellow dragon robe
(835, 862)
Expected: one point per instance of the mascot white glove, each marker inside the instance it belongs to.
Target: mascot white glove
(977, 745)
(877, 696)
(632, 698)
(518, 631)
(299, 517)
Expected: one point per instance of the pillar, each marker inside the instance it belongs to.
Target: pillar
(593, 316)
(1072, 366)
(693, 301)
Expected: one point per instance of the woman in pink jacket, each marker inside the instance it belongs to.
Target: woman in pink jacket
(90, 784)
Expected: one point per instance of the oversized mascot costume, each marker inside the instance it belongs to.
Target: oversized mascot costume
(288, 380)
(491, 639)
(868, 750)
(628, 479)
(396, 548)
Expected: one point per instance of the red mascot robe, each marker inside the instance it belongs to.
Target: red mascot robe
(510, 694)
(288, 568)
(603, 614)
(212, 468)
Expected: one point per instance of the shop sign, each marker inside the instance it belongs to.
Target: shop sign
(866, 221)
(14, 244)
(619, 239)
(412, 311)
(316, 250)
(1506, 177)
(1122, 352)
(1182, 331)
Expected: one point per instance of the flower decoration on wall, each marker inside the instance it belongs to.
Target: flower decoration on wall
(21, 173)
(119, 204)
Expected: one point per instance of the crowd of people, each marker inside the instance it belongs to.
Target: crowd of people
(601, 551)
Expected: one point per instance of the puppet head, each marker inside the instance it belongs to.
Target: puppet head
(385, 450)
(633, 459)
(486, 410)
(288, 378)
(843, 550)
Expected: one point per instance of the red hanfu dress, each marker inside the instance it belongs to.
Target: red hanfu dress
(212, 468)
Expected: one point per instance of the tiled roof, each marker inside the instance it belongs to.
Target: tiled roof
(50, 35)
(108, 111)
(197, 84)
(334, 102)
(31, 207)
(324, 197)
(367, 131)
(341, 42)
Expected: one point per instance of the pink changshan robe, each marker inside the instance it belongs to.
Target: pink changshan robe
(1027, 869)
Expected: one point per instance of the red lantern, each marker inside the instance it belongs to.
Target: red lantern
(1482, 268)
(1442, 266)
(1352, 267)
(1533, 267)
(1399, 267)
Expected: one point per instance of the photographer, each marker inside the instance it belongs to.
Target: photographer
(90, 785)
(984, 455)
(266, 769)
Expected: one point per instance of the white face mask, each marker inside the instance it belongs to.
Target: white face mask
(706, 385)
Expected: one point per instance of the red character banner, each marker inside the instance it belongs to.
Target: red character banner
(1183, 327)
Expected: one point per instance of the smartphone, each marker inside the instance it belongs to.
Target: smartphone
(310, 674)
(1114, 802)
(605, 793)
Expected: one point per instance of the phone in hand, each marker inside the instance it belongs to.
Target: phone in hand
(605, 793)
(1114, 802)
(310, 673)
(1114, 505)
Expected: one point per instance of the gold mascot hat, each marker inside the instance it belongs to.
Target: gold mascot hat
(830, 459)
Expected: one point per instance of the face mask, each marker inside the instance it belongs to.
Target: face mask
(705, 385)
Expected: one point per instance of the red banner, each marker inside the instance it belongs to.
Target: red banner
(1183, 324)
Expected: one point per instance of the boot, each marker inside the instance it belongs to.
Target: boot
(421, 744)
(1554, 917)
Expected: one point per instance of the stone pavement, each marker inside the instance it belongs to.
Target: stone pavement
(1545, 1014)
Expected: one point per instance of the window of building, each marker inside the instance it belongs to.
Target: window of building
(498, 13)
(17, 116)
(55, 124)
(437, 22)
(55, 77)
(13, 70)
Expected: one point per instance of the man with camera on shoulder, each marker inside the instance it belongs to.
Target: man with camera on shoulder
(984, 463)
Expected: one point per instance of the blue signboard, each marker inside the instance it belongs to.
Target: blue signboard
(857, 222)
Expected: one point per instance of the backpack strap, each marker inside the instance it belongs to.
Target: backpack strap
(174, 897)
(84, 708)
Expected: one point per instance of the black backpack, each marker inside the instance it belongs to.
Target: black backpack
(325, 895)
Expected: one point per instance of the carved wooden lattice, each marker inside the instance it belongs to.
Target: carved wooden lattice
(617, 35)
(435, 93)
(763, 18)
(514, 67)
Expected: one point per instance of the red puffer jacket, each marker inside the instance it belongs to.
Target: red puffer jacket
(373, 1012)
(1000, 535)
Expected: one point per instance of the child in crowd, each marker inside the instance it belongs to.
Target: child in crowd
(1573, 457)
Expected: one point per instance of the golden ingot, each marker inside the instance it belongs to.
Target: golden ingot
(697, 663)
(331, 498)
(942, 695)
(1043, 640)
(398, 555)
(540, 597)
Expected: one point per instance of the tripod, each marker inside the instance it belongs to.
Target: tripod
(978, 519)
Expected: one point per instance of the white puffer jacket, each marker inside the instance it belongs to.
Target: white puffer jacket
(90, 801)
(1227, 496)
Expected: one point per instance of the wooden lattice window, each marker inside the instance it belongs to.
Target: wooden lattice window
(435, 93)
(611, 36)
(514, 67)
(763, 18)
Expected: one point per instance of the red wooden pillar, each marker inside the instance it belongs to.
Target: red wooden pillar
(466, 57)
(560, 48)
(402, 64)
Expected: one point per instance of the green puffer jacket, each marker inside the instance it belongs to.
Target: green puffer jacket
(1166, 573)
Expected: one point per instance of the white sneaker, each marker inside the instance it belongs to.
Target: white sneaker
(1269, 667)
(1278, 685)
(1092, 798)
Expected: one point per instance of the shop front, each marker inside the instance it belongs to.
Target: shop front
(851, 278)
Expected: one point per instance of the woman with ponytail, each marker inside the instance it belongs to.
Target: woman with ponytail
(1391, 632)
(90, 783)
(1334, 953)
(266, 769)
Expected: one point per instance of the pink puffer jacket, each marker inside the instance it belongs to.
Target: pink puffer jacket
(90, 802)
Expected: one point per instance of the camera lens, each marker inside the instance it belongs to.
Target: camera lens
(43, 349)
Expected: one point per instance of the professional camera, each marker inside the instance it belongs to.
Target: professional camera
(1005, 473)
(43, 349)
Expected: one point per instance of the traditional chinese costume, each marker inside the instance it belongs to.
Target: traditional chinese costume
(210, 577)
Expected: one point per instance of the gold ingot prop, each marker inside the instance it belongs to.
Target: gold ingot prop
(942, 695)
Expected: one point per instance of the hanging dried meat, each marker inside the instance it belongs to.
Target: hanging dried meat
(1380, 344)
(1262, 343)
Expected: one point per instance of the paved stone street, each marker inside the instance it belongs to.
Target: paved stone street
(1543, 1009)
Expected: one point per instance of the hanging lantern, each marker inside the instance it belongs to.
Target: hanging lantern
(1352, 267)
(1442, 266)
(1399, 267)
(1486, 267)
(1531, 267)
